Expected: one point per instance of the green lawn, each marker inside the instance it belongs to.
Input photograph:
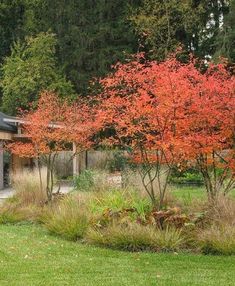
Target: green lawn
(188, 193)
(29, 256)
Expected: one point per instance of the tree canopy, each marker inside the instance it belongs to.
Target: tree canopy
(170, 113)
(91, 35)
(225, 45)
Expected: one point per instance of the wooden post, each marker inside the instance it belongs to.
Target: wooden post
(75, 161)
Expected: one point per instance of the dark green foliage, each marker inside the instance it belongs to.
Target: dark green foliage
(118, 162)
(226, 38)
(164, 25)
(11, 23)
(92, 35)
(85, 181)
(189, 176)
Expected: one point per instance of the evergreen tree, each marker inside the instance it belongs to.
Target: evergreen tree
(226, 37)
(92, 34)
(11, 22)
(163, 25)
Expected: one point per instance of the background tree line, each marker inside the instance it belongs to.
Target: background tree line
(61, 45)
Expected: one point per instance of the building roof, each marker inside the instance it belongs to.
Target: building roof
(6, 126)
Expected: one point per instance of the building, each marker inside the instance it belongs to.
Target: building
(10, 130)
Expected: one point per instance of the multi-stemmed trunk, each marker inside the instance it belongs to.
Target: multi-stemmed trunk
(50, 175)
(155, 176)
(216, 181)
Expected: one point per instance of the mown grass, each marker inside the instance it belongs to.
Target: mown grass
(29, 256)
(187, 194)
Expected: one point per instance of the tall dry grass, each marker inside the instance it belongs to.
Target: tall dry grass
(217, 239)
(132, 178)
(221, 212)
(217, 236)
(28, 188)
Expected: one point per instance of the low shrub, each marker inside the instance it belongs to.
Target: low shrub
(136, 237)
(68, 219)
(85, 181)
(93, 180)
(218, 240)
(118, 162)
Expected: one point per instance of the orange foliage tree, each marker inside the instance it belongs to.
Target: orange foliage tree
(81, 124)
(208, 129)
(51, 128)
(157, 111)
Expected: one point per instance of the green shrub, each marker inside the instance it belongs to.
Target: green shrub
(219, 239)
(67, 219)
(190, 176)
(93, 180)
(136, 237)
(84, 181)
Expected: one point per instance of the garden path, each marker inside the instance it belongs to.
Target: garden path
(9, 192)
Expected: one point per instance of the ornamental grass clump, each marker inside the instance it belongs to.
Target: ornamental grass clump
(12, 212)
(68, 219)
(221, 212)
(136, 237)
(218, 234)
(218, 239)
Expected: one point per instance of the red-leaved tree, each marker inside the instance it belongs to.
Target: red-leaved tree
(208, 129)
(43, 135)
(52, 127)
(141, 104)
(152, 110)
